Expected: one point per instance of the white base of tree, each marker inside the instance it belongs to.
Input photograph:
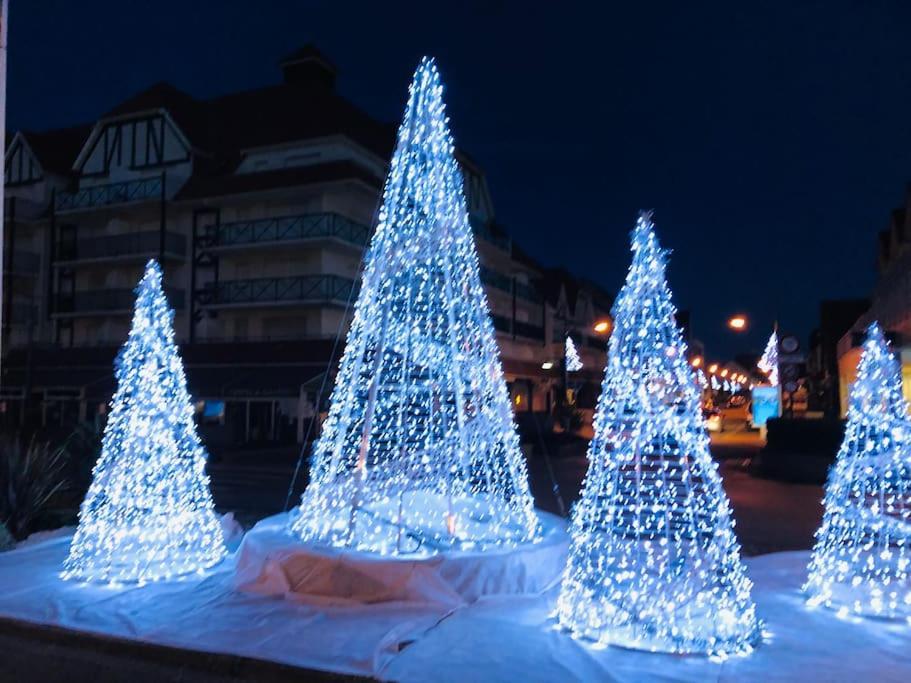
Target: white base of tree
(395, 518)
(272, 561)
(709, 630)
(158, 550)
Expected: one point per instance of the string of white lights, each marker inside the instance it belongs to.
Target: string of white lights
(654, 563)
(768, 362)
(148, 514)
(573, 362)
(860, 563)
(419, 451)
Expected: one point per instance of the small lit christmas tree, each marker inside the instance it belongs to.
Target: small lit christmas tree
(419, 452)
(768, 363)
(861, 561)
(148, 513)
(573, 362)
(654, 563)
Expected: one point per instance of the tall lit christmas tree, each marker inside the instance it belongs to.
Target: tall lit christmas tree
(573, 362)
(419, 452)
(862, 560)
(768, 362)
(653, 563)
(148, 514)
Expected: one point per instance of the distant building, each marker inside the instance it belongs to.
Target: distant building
(835, 318)
(259, 204)
(890, 304)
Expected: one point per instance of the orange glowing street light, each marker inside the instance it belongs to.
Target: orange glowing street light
(696, 362)
(738, 323)
(724, 372)
(602, 326)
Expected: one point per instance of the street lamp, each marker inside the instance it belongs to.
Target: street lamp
(713, 368)
(696, 362)
(602, 326)
(738, 323)
(547, 365)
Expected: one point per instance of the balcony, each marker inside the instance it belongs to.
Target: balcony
(504, 283)
(281, 229)
(482, 229)
(107, 301)
(25, 263)
(21, 313)
(529, 331)
(503, 324)
(109, 194)
(135, 245)
(306, 289)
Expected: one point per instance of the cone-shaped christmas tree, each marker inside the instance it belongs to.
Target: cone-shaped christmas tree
(419, 452)
(654, 563)
(148, 514)
(572, 360)
(862, 560)
(768, 363)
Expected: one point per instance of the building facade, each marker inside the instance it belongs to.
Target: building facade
(259, 205)
(889, 305)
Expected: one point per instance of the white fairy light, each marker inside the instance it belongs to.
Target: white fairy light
(573, 362)
(768, 363)
(419, 452)
(654, 563)
(861, 560)
(148, 514)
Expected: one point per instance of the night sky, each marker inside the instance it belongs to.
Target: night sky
(771, 140)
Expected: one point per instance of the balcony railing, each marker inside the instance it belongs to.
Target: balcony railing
(492, 278)
(528, 292)
(528, 330)
(290, 228)
(303, 289)
(482, 230)
(116, 246)
(110, 193)
(501, 323)
(109, 300)
(504, 283)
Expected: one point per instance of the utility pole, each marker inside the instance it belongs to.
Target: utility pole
(4, 15)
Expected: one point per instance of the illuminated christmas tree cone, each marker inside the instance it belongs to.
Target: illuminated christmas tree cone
(419, 453)
(148, 514)
(860, 563)
(654, 563)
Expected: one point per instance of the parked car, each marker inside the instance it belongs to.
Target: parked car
(714, 419)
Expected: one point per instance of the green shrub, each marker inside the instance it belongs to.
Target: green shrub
(7, 542)
(30, 478)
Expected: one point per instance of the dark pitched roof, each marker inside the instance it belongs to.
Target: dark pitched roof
(199, 186)
(291, 112)
(188, 113)
(56, 150)
(557, 279)
(272, 115)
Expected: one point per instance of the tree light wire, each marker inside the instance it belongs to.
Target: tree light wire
(419, 453)
(654, 563)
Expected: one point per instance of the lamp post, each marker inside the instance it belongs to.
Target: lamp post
(4, 14)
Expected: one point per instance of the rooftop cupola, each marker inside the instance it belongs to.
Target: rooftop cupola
(308, 66)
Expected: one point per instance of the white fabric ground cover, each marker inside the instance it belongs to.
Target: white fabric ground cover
(272, 561)
(503, 638)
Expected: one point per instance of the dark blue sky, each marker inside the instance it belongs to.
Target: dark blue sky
(772, 139)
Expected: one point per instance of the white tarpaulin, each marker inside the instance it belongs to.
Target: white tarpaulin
(504, 638)
(273, 562)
